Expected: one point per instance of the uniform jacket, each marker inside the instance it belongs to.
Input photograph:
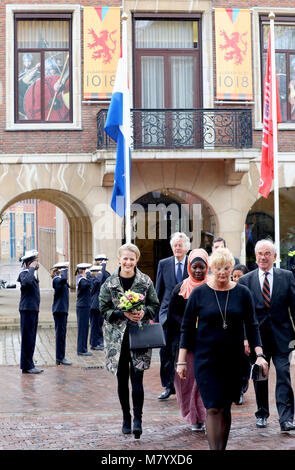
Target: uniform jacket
(61, 293)
(282, 307)
(109, 297)
(96, 283)
(84, 291)
(30, 291)
(165, 283)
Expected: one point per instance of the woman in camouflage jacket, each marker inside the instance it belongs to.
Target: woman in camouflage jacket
(120, 360)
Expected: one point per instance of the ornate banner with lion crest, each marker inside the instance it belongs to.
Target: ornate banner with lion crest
(233, 54)
(101, 37)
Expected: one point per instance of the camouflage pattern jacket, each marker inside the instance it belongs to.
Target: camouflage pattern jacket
(109, 298)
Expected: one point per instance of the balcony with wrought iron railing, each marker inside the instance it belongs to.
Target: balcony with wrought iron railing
(184, 128)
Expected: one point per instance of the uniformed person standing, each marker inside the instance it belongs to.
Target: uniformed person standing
(29, 310)
(101, 260)
(83, 286)
(60, 308)
(96, 319)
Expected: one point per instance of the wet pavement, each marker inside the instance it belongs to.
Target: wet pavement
(76, 407)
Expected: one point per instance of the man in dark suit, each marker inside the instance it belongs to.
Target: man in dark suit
(273, 292)
(170, 272)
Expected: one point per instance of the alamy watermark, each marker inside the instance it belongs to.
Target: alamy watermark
(150, 221)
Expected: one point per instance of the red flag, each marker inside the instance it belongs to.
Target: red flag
(266, 176)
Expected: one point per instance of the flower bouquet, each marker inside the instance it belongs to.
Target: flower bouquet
(131, 302)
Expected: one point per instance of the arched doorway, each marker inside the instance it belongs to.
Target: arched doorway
(80, 228)
(158, 214)
(260, 224)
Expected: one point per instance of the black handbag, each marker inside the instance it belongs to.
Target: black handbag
(256, 373)
(148, 335)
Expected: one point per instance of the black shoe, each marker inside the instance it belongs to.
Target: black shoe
(261, 423)
(166, 394)
(287, 426)
(64, 362)
(137, 429)
(126, 426)
(33, 371)
(85, 354)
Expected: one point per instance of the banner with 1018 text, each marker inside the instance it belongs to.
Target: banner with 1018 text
(101, 37)
(233, 54)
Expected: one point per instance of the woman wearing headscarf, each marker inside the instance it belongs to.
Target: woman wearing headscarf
(187, 391)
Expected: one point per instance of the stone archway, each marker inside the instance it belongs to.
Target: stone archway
(260, 223)
(159, 213)
(80, 227)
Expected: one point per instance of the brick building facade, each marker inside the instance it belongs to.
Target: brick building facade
(68, 161)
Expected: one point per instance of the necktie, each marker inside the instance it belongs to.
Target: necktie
(179, 273)
(266, 291)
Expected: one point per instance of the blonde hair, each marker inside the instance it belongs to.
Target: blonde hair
(129, 247)
(221, 257)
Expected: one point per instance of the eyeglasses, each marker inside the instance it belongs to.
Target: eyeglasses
(266, 254)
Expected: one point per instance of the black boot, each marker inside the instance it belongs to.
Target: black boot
(137, 429)
(126, 426)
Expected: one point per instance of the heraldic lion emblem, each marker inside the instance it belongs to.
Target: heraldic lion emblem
(237, 46)
(100, 43)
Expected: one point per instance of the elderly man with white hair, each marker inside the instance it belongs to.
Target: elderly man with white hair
(273, 292)
(171, 271)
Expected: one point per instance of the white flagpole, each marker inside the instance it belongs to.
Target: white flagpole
(275, 140)
(126, 121)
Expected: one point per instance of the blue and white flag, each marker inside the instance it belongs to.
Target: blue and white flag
(117, 126)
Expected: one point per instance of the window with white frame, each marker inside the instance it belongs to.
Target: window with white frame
(43, 66)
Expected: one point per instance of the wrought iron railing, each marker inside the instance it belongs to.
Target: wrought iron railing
(184, 128)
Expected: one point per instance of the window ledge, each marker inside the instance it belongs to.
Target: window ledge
(285, 126)
(45, 127)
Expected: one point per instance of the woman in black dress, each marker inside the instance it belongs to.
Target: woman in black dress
(213, 326)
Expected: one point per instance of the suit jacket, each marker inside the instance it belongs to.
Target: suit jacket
(282, 308)
(165, 283)
(61, 293)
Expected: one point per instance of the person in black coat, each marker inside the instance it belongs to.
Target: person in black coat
(273, 291)
(83, 304)
(171, 271)
(29, 309)
(60, 309)
(217, 314)
(96, 319)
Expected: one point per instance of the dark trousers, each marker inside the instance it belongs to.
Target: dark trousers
(83, 315)
(167, 370)
(60, 321)
(125, 371)
(284, 392)
(96, 322)
(28, 327)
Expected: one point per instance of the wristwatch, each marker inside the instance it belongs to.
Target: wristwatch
(261, 355)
